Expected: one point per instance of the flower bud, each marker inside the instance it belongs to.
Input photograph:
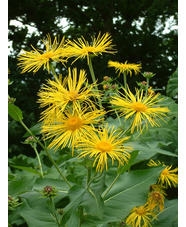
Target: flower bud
(49, 191)
(148, 74)
(106, 87)
(114, 86)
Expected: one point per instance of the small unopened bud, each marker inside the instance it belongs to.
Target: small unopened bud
(11, 100)
(114, 86)
(105, 78)
(144, 83)
(106, 86)
(30, 140)
(60, 211)
(148, 74)
(12, 203)
(49, 191)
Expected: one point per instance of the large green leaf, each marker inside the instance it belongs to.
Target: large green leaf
(130, 190)
(15, 112)
(17, 187)
(169, 216)
(31, 170)
(76, 194)
(92, 199)
(37, 218)
(172, 86)
(148, 149)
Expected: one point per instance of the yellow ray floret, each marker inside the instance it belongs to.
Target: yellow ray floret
(35, 59)
(82, 48)
(142, 108)
(140, 216)
(167, 177)
(73, 90)
(67, 128)
(102, 145)
(125, 67)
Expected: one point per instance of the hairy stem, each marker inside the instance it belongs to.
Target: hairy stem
(94, 81)
(39, 161)
(46, 150)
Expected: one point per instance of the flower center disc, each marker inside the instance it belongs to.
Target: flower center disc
(140, 210)
(89, 49)
(165, 172)
(46, 55)
(73, 123)
(104, 146)
(139, 107)
(72, 95)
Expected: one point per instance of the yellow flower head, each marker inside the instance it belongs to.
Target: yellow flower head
(99, 45)
(155, 201)
(140, 217)
(140, 107)
(167, 177)
(71, 91)
(67, 128)
(125, 67)
(102, 145)
(34, 60)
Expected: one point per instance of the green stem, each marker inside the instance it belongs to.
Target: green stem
(114, 181)
(118, 117)
(125, 80)
(88, 175)
(94, 80)
(80, 215)
(45, 149)
(37, 154)
(147, 86)
(54, 211)
(53, 71)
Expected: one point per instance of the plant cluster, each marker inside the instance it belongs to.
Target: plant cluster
(98, 142)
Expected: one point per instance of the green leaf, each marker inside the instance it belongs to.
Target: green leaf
(36, 130)
(37, 218)
(15, 112)
(76, 194)
(172, 86)
(92, 199)
(130, 190)
(40, 183)
(169, 216)
(31, 170)
(149, 149)
(20, 186)
(134, 154)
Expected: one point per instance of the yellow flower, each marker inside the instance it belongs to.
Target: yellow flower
(155, 201)
(141, 107)
(140, 217)
(71, 91)
(66, 128)
(103, 144)
(167, 176)
(34, 60)
(125, 67)
(99, 45)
